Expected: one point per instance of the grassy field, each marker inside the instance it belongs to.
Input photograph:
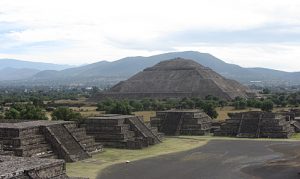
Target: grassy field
(93, 166)
(145, 114)
(87, 111)
(223, 112)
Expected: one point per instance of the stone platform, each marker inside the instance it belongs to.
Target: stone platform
(121, 131)
(256, 125)
(29, 167)
(47, 139)
(182, 122)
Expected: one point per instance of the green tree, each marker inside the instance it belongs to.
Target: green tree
(267, 105)
(240, 104)
(33, 113)
(38, 102)
(12, 113)
(136, 105)
(210, 109)
(266, 91)
(120, 107)
(65, 114)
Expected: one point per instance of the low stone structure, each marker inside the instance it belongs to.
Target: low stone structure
(47, 139)
(293, 115)
(255, 125)
(182, 122)
(30, 167)
(121, 131)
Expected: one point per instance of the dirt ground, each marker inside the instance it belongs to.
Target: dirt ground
(226, 159)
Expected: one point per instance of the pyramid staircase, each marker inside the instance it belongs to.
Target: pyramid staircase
(27, 143)
(249, 126)
(65, 143)
(142, 130)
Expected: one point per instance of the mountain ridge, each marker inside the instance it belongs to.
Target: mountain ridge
(104, 72)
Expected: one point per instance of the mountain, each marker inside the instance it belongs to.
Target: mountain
(11, 69)
(112, 72)
(175, 78)
(18, 64)
(105, 73)
(16, 74)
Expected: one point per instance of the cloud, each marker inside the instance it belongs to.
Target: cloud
(85, 31)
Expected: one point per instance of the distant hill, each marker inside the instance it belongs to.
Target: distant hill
(110, 73)
(18, 64)
(16, 74)
(11, 69)
(122, 69)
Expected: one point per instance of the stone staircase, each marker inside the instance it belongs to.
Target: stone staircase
(249, 126)
(182, 122)
(257, 124)
(171, 124)
(121, 131)
(87, 142)
(65, 144)
(296, 125)
(143, 131)
(28, 143)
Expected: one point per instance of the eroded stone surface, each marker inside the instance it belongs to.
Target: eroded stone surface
(47, 139)
(121, 131)
(256, 124)
(182, 122)
(30, 167)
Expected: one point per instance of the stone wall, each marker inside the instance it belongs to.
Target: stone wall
(255, 125)
(40, 139)
(182, 122)
(121, 131)
(28, 168)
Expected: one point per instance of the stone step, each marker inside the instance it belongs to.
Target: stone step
(30, 150)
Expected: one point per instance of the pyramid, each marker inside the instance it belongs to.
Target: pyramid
(176, 78)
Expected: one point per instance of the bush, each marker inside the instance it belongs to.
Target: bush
(241, 104)
(120, 107)
(210, 109)
(267, 105)
(25, 112)
(65, 114)
(12, 113)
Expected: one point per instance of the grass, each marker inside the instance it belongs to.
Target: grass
(93, 166)
(296, 136)
(223, 112)
(87, 111)
(145, 114)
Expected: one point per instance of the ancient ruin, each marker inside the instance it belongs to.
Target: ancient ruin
(47, 139)
(182, 122)
(176, 78)
(255, 125)
(31, 167)
(122, 131)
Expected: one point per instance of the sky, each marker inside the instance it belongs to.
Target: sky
(250, 33)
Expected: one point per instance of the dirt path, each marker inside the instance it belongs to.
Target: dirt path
(230, 159)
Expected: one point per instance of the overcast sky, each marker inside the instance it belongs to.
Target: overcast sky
(264, 33)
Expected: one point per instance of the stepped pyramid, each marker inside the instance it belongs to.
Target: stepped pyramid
(256, 124)
(176, 78)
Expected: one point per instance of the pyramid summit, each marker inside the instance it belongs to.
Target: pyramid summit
(176, 78)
